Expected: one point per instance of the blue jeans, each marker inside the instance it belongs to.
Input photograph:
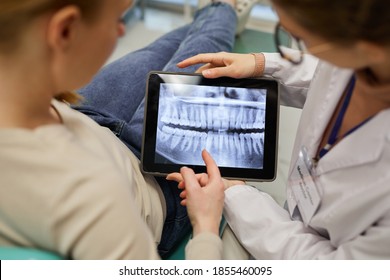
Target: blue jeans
(115, 97)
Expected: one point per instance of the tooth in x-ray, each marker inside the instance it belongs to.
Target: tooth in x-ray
(228, 122)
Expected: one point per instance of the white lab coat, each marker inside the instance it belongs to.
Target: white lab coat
(353, 221)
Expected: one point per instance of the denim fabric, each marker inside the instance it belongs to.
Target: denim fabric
(115, 97)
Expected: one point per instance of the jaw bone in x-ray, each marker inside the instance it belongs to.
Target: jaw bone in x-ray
(227, 122)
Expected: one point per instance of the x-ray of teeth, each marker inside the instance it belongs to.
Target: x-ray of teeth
(227, 121)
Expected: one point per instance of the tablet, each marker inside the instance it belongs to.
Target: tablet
(235, 120)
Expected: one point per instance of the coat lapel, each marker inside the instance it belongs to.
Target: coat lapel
(363, 146)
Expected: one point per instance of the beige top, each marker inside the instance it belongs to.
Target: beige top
(77, 190)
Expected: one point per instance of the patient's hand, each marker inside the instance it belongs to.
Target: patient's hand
(203, 180)
(203, 194)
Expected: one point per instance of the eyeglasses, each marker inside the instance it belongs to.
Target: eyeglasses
(293, 48)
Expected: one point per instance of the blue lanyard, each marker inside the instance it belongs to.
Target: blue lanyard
(336, 128)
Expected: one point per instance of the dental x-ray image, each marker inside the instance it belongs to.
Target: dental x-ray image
(228, 122)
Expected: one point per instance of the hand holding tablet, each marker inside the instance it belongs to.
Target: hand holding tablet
(235, 120)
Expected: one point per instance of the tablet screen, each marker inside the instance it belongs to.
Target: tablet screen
(235, 120)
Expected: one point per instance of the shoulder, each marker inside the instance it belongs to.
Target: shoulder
(96, 217)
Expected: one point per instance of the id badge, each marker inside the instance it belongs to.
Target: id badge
(304, 188)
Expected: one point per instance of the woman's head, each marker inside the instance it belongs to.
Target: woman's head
(342, 21)
(356, 33)
(15, 15)
(67, 41)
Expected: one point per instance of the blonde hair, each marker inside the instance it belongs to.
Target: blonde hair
(15, 15)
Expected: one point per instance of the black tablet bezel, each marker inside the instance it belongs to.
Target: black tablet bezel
(155, 78)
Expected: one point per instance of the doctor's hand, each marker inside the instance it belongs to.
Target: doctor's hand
(225, 64)
(203, 195)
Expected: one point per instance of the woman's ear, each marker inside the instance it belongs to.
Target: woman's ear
(63, 27)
